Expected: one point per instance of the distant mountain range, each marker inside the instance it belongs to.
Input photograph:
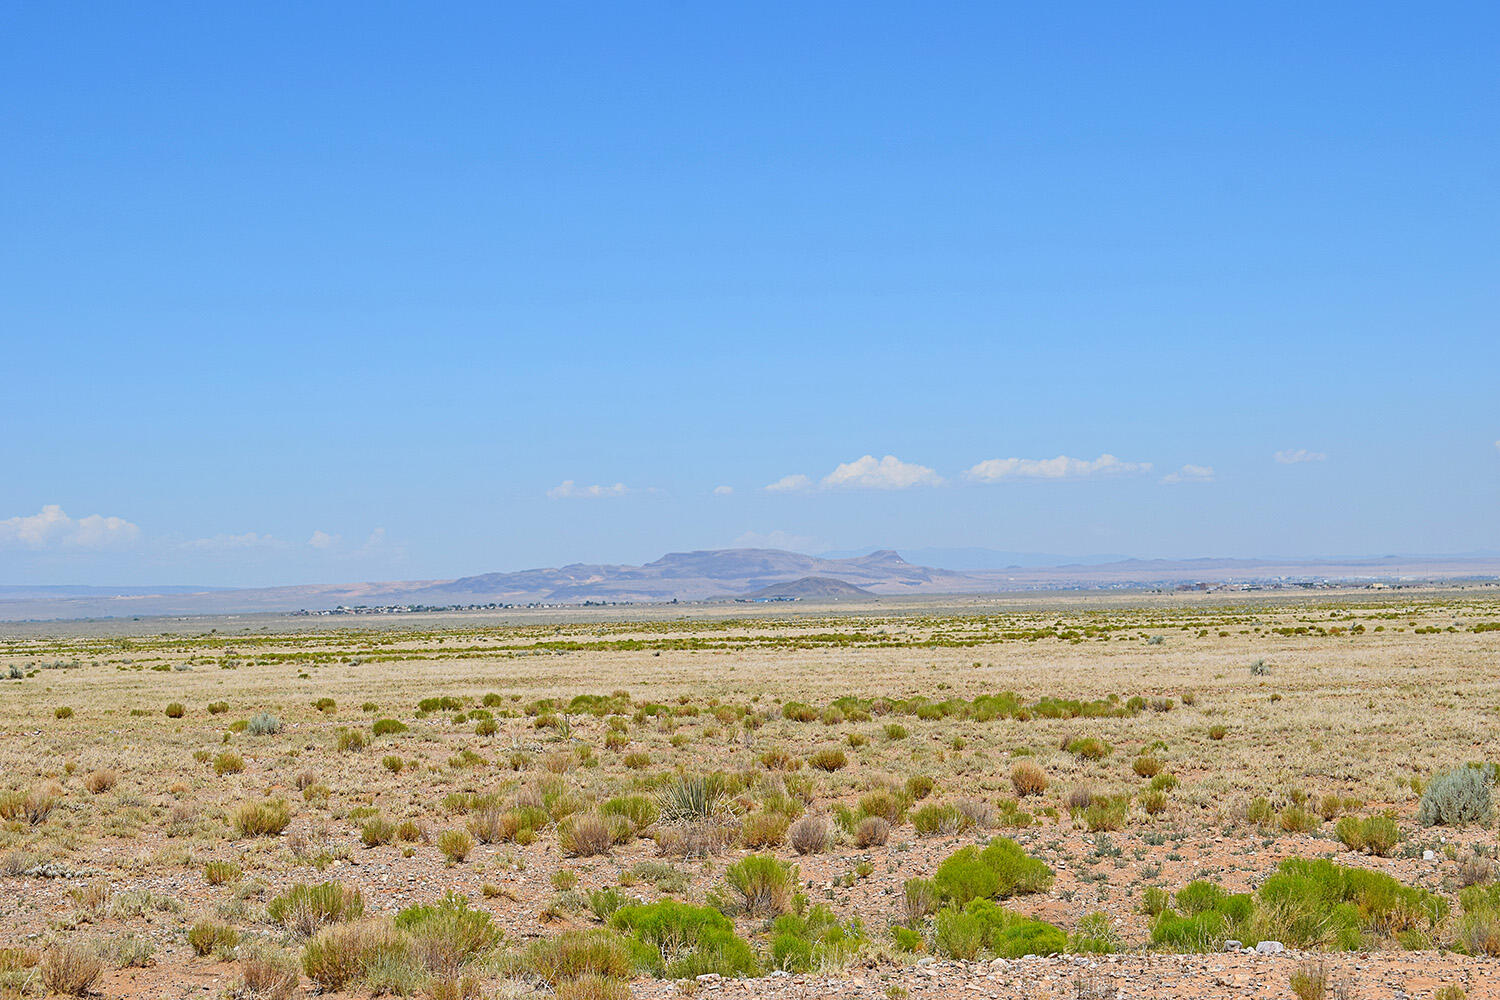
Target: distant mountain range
(723, 574)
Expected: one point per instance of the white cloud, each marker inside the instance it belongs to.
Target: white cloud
(1190, 474)
(789, 484)
(323, 540)
(1296, 456)
(995, 470)
(242, 542)
(723, 491)
(888, 473)
(52, 528)
(569, 490)
(778, 540)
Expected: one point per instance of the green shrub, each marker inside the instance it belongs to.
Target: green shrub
(1089, 748)
(885, 804)
(1146, 767)
(388, 727)
(448, 935)
(677, 941)
(63, 712)
(1477, 931)
(1377, 834)
(944, 817)
(221, 872)
(377, 831)
(1259, 811)
(1456, 797)
(262, 819)
(918, 787)
(1303, 904)
(981, 928)
(455, 844)
(177, 710)
(228, 762)
(342, 953)
(638, 809)
(1106, 813)
(304, 908)
(765, 885)
(206, 936)
(574, 955)
(1206, 916)
(999, 871)
(1296, 819)
(1094, 935)
(815, 942)
(1316, 903)
(829, 759)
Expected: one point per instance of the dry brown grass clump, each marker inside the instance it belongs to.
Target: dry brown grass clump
(269, 975)
(585, 836)
(340, 954)
(71, 969)
(763, 829)
(872, 831)
(809, 835)
(1028, 778)
(592, 986)
(101, 781)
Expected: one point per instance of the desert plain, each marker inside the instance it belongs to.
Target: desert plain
(1265, 794)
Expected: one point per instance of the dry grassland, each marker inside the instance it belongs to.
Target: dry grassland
(500, 837)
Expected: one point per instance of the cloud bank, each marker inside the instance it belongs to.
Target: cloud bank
(888, 473)
(995, 470)
(52, 528)
(1190, 474)
(570, 490)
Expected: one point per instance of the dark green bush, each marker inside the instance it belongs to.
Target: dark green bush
(675, 940)
(982, 928)
(999, 871)
(815, 942)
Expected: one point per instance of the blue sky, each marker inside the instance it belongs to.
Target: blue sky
(296, 293)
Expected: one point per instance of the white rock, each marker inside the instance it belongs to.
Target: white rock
(1270, 948)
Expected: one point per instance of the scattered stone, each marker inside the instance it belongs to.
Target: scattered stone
(1270, 948)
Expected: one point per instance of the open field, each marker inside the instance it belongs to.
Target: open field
(798, 780)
